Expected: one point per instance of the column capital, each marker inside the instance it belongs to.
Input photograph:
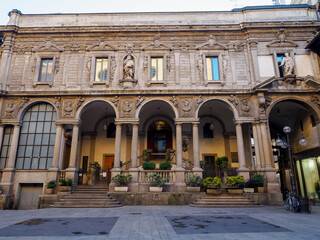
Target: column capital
(11, 122)
(126, 121)
(68, 121)
(186, 120)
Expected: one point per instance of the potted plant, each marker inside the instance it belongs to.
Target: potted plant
(249, 186)
(317, 187)
(193, 183)
(236, 184)
(212, 185)
(166, 165)
(65, 185)
(156, 182)
(93, 173)
(259, 179)
(148, 166)
(222, 163)
(50, 186)
(121, 182)
(146, 154)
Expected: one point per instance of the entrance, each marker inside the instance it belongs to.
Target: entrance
(108, 166)
(210, 169)
(159, 137)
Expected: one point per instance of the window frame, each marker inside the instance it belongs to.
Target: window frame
(9, 135)
(209, 54)
(164, 57)
(37, 74)
(94, 57)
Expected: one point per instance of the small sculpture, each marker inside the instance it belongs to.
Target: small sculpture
(288, 64)
(128, 68)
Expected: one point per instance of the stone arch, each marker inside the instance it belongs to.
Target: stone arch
(300, 100)
(148, 122)
(174, 109)
(32, 103)
(80, 110)
(232, 107)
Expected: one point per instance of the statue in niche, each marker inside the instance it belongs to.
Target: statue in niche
(128, 67)
(288, 64)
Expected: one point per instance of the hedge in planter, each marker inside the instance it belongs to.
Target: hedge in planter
(148, 166)
(122, 180)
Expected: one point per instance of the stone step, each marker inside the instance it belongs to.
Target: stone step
(224, 203)
(89, 192)
(223, 200)
(87, 203)
(87, 199)
(79, 196)
(85, 206)
(224, 206)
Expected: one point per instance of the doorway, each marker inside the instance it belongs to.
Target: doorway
(210, 168)
(108, 166)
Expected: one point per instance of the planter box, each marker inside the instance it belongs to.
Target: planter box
(193, 189)
(64, 189)
(260, 189)
(214, 191)
(49, 190)
(235, 191)
(155, 189)
(121, 189)
(248, 190)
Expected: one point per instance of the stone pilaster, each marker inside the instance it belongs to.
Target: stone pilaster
(243, 170)
(53, 171)
(71, 171)
(180, 184)
(134, 171)
(117, 156)
(196, 152)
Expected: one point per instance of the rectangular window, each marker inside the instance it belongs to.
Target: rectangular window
(101, 71)
(157, 69)
(5, 149)
(46, 69)
(279, 60)
(212, 69)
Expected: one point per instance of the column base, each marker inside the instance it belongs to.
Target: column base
(245, 173)
(271, 179)
(198, 171)
(134, 187)
(180, 187)
(71, 173)
(111, 187)
(7, 181)
(135, 175)
(6, 201)
(115, 171)
(52, 174)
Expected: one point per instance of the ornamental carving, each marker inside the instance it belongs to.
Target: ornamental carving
(282, 40)
(127, 109)
(70, 106)
(198, 102)
(174, 101)
(236, 46)
(316, 100)
(139, 101)
(211, 44)
(186, 108)
(145, 62)
(245, 107)
(56, 65)
(10, 109)
(233, 100)
(113, 66)
(156, 44)
(101, 45)
(184, 46)
(48, 45)
(21, 49)
(225, 63)
(263, 103)
(168, 62)
(200, 67)
(115, 101)
(23, 101)
(57, 102)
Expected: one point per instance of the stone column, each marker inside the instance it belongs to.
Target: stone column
(8, 173)
(196, 152)
(72, 170)
(256, 147)
(272, 186)
(179, 184)
(117, 156)
(53, 171)
(1, 134)
(260, 145)
(134, 171)
(243, 170)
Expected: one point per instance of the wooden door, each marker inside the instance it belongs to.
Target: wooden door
(108, 160)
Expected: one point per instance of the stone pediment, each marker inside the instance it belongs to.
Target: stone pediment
(102, 45)
(282, 40)
(47, 46)
(211, 44)
(290, 82)
(156, 44)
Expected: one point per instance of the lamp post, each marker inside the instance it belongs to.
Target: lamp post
(285, 143)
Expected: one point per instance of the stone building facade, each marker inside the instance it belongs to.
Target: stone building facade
(77, 88)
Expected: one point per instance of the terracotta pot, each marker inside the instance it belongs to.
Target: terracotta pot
(49, 190)
(64, 189)
(248, 190)
(155, 189)
(235, 191)
(121, 189)
(193, 189)
(213, 191)
(260, 189)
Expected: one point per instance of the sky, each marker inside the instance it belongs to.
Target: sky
(105, 6)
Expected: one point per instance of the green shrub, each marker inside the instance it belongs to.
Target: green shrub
(234, 182)
(148, 166)
(212, 182)
(165, 166)
(194, 181)
(156, 180)
(251, 183)
(259, 179)
(69, 182)
(122, 180)
(203, 164)
(169, 154)
(63, 182)
(222, 162)
(207, 182)
(217, 182)
(146, 155)
(51, 184)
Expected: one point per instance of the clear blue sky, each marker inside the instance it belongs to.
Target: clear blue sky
(93, 6)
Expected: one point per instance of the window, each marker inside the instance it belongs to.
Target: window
(156, 68)
(101, 71)
(279, 60)
(212, 69)
(111, 130)
(46, 70)
(37, 138)
(5, 149)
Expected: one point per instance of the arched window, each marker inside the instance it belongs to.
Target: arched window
(5, 149)
(37, 137)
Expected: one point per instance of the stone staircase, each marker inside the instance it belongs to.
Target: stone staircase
(88, 196)
(224, 200)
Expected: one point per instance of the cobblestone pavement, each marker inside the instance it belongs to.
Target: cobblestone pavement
(160, 222)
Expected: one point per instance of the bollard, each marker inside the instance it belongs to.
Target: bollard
(305, 206)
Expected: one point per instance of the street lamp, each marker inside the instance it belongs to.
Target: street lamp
(285, 143)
